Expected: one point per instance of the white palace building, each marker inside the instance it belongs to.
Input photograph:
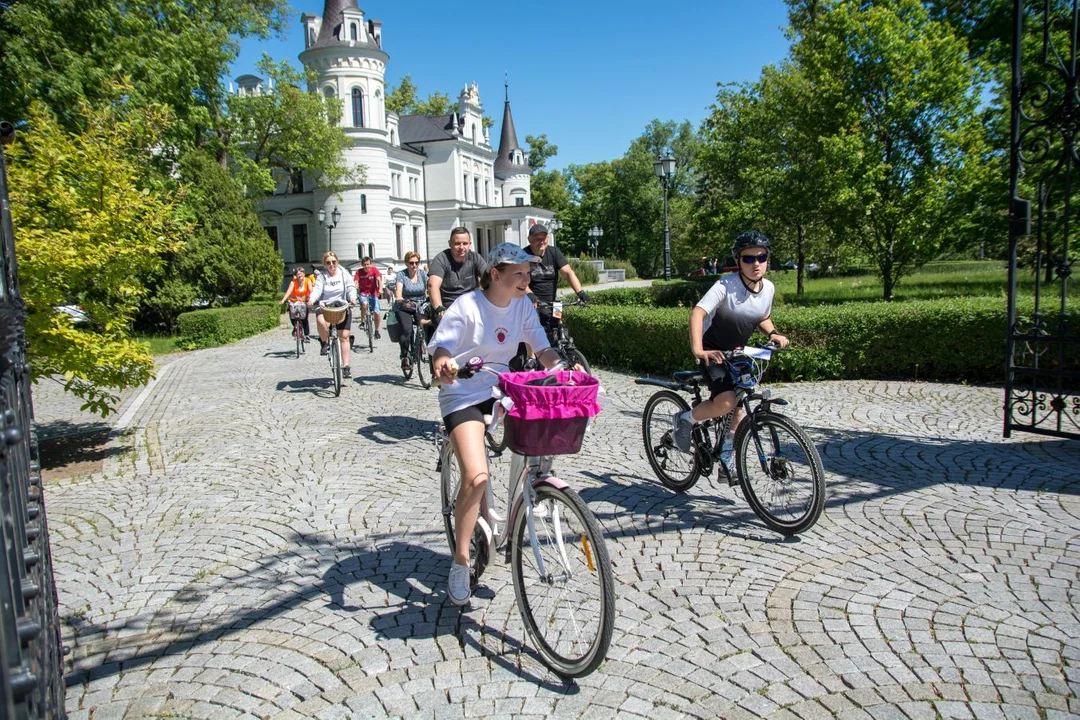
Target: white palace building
(424, 175)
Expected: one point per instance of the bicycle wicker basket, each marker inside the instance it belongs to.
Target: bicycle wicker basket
(549, 419)
(334, 314)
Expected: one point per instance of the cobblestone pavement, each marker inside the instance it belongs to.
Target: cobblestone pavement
(270, 551)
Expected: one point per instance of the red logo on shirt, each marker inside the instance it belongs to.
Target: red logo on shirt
(500, 334)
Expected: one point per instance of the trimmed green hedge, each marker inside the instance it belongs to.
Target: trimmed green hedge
(953, 339)
(612, 263)
(217, 326)
(662, 294)
(586, 272)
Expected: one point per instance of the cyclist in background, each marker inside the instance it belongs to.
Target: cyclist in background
(368, 281)
(544, 275)
(724, 320)
(410, 287)
(298, 291)
(487, 323)
(454, 272)
(334, 285)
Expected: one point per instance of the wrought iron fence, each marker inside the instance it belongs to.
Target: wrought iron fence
(31, 655)
(1042, 391)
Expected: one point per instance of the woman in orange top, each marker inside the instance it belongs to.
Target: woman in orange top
(298, 291)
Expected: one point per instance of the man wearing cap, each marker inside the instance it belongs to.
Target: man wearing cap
(544, 277)
(454, 272)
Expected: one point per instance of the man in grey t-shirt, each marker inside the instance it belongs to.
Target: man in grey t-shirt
(454, 272)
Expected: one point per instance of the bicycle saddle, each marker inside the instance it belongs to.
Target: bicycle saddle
(686, 376)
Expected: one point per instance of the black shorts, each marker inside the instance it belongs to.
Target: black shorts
(717, 378)
(469, 414)
(345, 324)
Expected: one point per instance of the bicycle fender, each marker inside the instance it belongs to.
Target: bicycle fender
(661, 383)
(482, 523)
(551, 480)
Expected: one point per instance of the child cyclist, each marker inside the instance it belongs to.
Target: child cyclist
(487, 323)
(724, 320)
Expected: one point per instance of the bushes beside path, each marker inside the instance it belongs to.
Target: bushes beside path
(217, 326)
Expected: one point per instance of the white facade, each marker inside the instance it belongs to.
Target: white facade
(423, 175)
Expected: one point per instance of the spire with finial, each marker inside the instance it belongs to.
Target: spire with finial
(511, 158)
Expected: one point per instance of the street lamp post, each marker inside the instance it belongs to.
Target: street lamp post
(334, 218)
(664, 167)
(554, 226)
(595, 233)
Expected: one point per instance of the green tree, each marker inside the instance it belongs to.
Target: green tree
(228, 257)
(548, 186)
(90, 221)
(906, 89)
(404, 99)
(287, 129)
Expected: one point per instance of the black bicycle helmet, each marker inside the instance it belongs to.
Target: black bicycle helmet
(749, 239)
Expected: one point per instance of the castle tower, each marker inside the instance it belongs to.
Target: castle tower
(510, 165)
(345, 50)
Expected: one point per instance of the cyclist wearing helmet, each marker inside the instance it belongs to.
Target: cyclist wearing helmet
(724, 320)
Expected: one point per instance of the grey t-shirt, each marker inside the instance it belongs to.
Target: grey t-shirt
(733, 311)
(458, 278)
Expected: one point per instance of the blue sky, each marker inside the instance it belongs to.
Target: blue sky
(590, 74)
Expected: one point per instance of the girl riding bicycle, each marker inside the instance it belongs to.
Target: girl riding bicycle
(723, 320)
(487, 323)
(298, 291)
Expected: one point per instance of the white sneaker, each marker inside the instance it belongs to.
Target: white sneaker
(457, 585)
(682, 431)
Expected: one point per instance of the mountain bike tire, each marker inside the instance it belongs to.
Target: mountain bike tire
(335, 364)
(569, 612)
(574, 357)
(370, 327)
(423, 364)
(677, 470)
(793, 470)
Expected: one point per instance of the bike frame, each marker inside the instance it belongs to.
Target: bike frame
(720, 425)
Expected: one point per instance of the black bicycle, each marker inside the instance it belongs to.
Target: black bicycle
(559, 336)
(418, 354)
(776, 464)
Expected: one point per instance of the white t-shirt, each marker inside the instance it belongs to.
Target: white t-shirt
(473, 327)
(330, 288)
(733, 311)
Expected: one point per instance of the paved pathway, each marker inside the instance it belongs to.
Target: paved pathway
(270, 551)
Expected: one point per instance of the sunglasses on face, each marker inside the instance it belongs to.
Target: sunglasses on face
(332, 262)
(413, 262)
(751, 259)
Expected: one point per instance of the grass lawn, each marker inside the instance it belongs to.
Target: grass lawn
(159, 344)
(933, 281)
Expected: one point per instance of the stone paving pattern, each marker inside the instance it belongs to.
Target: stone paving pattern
(270, 551)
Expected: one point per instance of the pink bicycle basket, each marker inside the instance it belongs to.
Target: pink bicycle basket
(549, 419)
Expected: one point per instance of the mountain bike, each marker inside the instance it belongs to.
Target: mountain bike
(559, 336)
(563, 581)
(418, 354)
(334, 314)
(297, 313)
(776, 464)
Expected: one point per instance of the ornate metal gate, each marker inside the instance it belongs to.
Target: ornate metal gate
(31, 674)
(1042, 390)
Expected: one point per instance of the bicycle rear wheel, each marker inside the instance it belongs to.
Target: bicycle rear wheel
(569, 610)
(788, 494)
(335, 363)
(677, 470)
(450, 484)
(423, 369)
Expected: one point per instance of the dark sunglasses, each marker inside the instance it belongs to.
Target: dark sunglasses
(751, 259)
(413, 262)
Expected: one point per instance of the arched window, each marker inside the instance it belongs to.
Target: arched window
(363, 203)
(328, 92)
(371, 250)
(352, 31)
(357, 107)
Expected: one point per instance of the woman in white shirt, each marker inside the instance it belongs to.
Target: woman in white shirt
(334, 285)
(487, 323)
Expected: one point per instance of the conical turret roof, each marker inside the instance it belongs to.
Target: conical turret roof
(332, 31)
(508, 143)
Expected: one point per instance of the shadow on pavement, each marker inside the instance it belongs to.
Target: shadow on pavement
(285, 354)
(413, 574)
(323, 387)
(390, 429)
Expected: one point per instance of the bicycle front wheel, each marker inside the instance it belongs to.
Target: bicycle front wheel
(370, 327)
(299, 335)
(423, 369)
(677, 470)
(786, 487)
(335, 364)
(450, 483)
(497, 440)
(568, 605)
(574, 357)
